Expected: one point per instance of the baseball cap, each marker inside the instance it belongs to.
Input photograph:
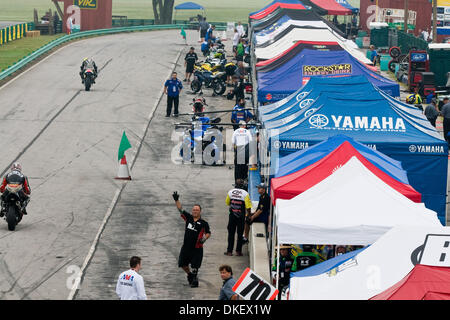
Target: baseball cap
(261, 185)
(242, 122)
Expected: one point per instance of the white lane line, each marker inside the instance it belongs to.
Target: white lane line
(114, 201)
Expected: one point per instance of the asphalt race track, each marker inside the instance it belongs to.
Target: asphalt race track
(67, 141)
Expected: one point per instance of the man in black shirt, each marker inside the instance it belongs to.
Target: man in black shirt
(189, 62)
(196, 233)
(262, 213)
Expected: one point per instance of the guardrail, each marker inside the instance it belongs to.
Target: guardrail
(53, 44)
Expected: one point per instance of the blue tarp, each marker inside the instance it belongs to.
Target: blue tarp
(347, 5)
(327, 265)
(304, 158)
(276, 1)
(384, 127)
(189, 6)
(288, 78)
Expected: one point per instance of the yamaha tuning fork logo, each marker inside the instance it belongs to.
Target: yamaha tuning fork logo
(318, 120)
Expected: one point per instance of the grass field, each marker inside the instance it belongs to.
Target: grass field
(13, 51)
(216, 10)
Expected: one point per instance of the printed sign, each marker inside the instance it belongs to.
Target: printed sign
(250, 286)
(343, 68)
(86, 4)
(436, 250)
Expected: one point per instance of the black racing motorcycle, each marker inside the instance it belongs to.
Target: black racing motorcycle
(210, 80)
(12, 204)
(89, 79)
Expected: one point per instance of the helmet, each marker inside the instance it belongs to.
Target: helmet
(411, 99)
(16, 166)
(85, 59)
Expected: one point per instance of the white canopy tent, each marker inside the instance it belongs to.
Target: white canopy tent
(351, 206)
(262, 37)
(376, 268)
(300, 34)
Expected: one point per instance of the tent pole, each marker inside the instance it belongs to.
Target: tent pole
(272, 238)
(278, 262)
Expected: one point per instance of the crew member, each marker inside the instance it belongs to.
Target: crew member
(196, 233)
(240, 141)
(130, 285)
(173, 88)
(239, 202)
(189, 62)
(16, 177)
(262, 212)
(286, 265)
(240, 114)
(432, 112)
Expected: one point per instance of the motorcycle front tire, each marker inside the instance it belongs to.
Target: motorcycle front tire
(196, 86)
(219, 88)
(11, 218)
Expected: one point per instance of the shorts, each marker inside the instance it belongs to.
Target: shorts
(240, 58)
(203, 33)
(189, 68)
(193, 257)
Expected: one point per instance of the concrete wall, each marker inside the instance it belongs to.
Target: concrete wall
(257, 247)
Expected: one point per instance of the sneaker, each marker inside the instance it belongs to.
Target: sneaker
(228, 253)
(190, 277)
(184, 80)
(175, 115)
(244, 240)
(167, 115)
(194, 283)
(239, 254)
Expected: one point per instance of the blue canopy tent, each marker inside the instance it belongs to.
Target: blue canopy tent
(303, 158)
(422, 152)
(189, 6)
(304, 90)
(288, 78)
(327, 265)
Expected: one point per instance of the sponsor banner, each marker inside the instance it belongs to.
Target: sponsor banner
(86, 4)
(356, 123)
(343, 68)
(300, 145)
(416, 148)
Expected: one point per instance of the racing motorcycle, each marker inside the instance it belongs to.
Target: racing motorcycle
(89, 79)
(210, 80)
(203, 137)
(198, 105)
(12, 206)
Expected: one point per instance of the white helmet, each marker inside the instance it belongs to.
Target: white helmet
(16, 166)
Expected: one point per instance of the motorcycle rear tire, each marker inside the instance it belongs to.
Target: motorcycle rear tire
(87, 84)
(219, 88)
(196, 86)
(11, 218)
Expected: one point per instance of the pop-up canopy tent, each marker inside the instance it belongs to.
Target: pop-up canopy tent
(293, 74)
(331, 7)
(308, 87)
(347, 5)
(422, 283)
(287, 4)
(422, 151)
(375, 269)
(189, 6)
(288, 39)
(291, 185)
(351, 206)
(281, 15)
(303, 158)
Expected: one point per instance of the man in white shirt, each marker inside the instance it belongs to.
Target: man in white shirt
(130, 285)
(240, 29)
(236, 39)
(240, 140)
